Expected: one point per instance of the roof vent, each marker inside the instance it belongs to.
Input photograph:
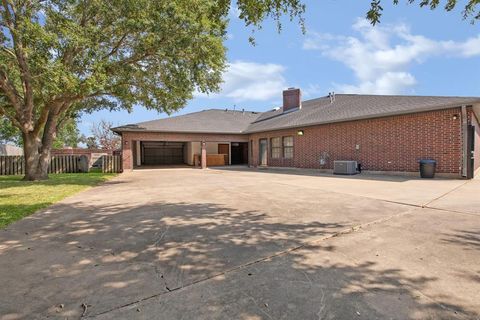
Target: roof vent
(292, 99)
(331, 95)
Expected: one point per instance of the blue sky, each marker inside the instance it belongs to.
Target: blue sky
(412, 51)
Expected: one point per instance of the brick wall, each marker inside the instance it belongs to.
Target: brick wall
(392, 143)
(129, 137)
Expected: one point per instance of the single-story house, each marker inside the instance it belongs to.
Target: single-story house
(385, 133)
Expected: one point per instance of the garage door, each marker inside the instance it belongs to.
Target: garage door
(162, 153)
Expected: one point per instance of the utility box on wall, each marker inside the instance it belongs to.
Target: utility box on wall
(82, 164)
(345, 167)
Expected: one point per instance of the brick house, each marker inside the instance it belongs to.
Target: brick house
(383, 133)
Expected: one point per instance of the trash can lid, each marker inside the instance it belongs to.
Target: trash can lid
(428, 161)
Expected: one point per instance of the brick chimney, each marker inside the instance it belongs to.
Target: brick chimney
(292, 99)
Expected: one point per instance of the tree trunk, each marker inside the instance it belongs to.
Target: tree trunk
(37, 152)
(31, 150)
(35, 168)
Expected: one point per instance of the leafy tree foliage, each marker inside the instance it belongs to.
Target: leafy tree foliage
(9, 133)
(469, 10)
(91, 142)
(67, 136)
(61, 57)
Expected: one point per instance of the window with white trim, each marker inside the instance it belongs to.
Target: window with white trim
(288, 147)
(276, 148)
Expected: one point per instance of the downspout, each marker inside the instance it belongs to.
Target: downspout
(464, 141)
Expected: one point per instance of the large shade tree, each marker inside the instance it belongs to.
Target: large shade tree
(59, 58)
(469, 8)
(62, 57)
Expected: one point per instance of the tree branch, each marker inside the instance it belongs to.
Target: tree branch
(21, 59)
(9, 90)
(13, 119)
(116, 46)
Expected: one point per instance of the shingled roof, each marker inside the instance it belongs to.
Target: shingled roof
(345, 107)
(206, 121)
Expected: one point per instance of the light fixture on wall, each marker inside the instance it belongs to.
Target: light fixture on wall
(126, 142)
(300, 133)
(455, 117)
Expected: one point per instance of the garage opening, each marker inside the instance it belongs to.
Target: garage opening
(162, 153)
(239, 152)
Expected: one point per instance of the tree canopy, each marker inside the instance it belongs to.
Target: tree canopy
(469, 10)
(67, 136)
(62, 57)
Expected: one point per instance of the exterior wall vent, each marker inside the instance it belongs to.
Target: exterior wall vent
(345, 167)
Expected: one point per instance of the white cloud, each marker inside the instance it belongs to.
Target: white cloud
(387, 83)
(380, 56)
(469, 48)
(251, 81)
(313, 90)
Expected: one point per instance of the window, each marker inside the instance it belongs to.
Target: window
(288, 147)
(276, 146)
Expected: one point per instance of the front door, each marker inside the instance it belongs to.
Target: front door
(470, 151)
(263, 151)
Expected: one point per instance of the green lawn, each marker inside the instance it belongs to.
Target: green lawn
(19, 199)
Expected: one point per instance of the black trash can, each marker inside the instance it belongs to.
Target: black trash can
(427, 168)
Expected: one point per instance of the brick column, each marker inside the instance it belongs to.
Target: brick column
(204, 155)
(127, 158)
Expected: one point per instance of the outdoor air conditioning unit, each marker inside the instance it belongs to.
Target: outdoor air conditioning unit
(345, 167)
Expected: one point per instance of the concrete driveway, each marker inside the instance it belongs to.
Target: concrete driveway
(248, 244)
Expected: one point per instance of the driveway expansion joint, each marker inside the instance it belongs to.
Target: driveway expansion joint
(306, 244)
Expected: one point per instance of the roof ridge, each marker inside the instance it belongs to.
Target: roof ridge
(400, 95)
(195, 112)
(170, 117)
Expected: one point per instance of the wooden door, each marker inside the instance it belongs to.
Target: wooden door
(224, 148)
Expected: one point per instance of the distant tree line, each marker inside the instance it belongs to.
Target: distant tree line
(100, 136)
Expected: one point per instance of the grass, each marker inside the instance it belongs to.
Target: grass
(19, 199)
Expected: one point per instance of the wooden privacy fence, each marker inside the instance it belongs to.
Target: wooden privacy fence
(111, 164)
(10, 165)
(64, 164)
(14, 165)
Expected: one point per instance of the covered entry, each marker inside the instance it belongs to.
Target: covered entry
(162, 153)
(167, 153)
(186, 152)
(239, 153)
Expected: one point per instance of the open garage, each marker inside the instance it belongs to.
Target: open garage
(147, 153)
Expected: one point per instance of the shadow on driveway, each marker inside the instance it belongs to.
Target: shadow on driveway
(106, 257)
